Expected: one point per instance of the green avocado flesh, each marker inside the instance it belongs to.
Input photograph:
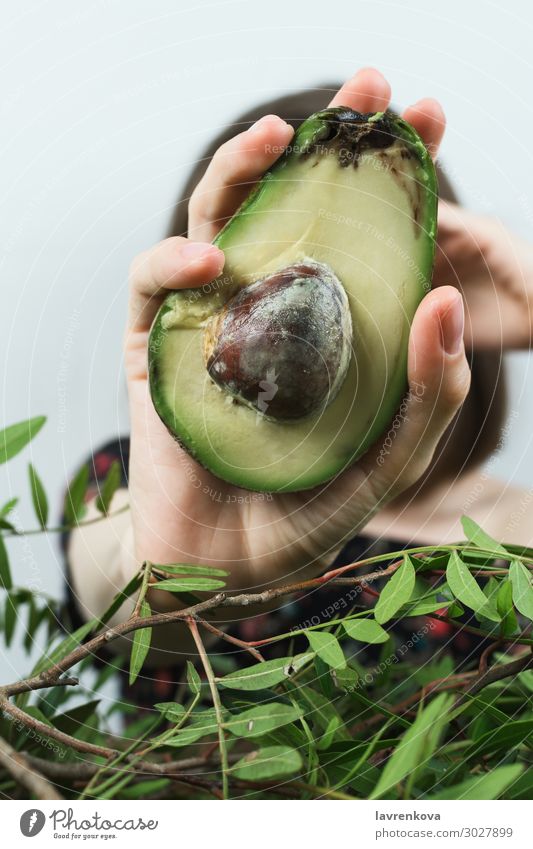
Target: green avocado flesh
(355, 196)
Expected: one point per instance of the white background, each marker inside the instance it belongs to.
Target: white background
(104, 108)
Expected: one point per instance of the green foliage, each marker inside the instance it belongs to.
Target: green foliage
(109, 487)
(74, 505)
(396, 592)
(271, 762)
(15, 437)
(356, 716)
(466, 589)
(365, 630)
(522, 588)
(178, 585)
(141, 643)
(5, 571)
(38, 497)
(327, 647)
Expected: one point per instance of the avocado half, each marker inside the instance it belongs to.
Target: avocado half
(283, 371)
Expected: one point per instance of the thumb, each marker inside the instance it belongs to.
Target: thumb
(439, 380)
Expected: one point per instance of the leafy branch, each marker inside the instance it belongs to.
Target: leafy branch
(316, 723)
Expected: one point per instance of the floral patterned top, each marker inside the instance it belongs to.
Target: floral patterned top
(421, 634)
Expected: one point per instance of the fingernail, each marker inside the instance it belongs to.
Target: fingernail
(196, 251)
(452, 324)
(259, 124)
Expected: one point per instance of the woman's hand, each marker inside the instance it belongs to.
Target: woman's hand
(493, 269)
(183, 513)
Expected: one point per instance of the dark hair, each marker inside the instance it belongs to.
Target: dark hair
(476, 430)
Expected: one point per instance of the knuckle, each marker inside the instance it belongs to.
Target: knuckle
(136, 266)
(202, 206)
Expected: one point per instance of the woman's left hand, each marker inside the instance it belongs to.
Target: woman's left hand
(493, 269)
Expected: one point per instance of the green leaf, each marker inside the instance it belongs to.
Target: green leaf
(416, 746)
(522, 787)
(327, 647)
(121, 597)
(109, 487)
(504, 604)
(489, 785)
(192, 569)
(270, 762)
(75, 719)
(38, 497)
(193, 679)
(465, 587)
(15, 437)
(323, 676)
(65, 647)
(440, 667)
(173, 711)
(266, 674)
(515, 733)
(365, 630)
(318, 708)
(522, 588)
(5, 571)
(477, 536)
(141, 644)
(6, 526)
(330, 734)
(203, 724)
(262, 719)
(455, 610)
(10, 618)
(396, 592)
(490, 590)
(74, 507)
(37, 713)
(422, 608)
(33, 623)
(345, 678)
(178, 585)
(8, 507)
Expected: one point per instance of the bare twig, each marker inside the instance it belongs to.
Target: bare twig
(51, 731)
(85, 770)
(28, 776)
(230, 639)
(484, 659)
(498, 673)
(60, 529)
(193, 627)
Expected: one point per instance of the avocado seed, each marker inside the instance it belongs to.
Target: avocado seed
(282, 345)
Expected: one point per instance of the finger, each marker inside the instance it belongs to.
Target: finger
(366, 91)
(174, 263)
(428, 118)
(439, 380)
(235, 167)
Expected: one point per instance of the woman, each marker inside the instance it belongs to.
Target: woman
(434, 462)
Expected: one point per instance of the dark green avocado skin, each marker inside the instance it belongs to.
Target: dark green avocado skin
(347, 134)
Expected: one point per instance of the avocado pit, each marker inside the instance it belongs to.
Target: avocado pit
(282, 345)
